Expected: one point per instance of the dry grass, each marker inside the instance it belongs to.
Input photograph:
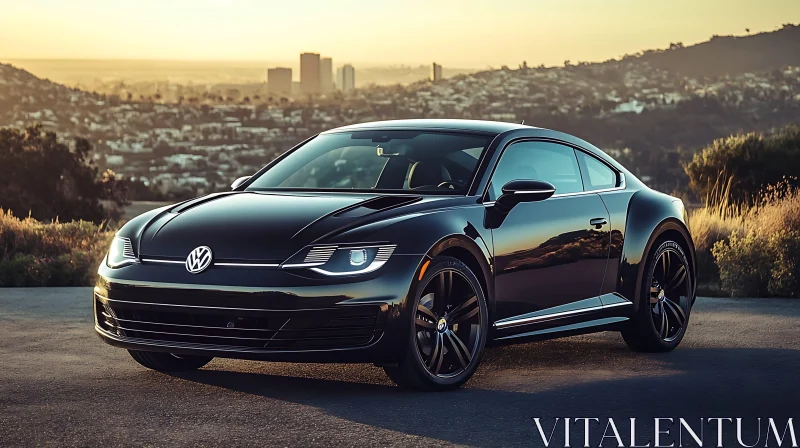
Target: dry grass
(33, 253)
(748, 249)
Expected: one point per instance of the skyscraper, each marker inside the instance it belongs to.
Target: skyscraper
(279, 81)
(326, 75)
(436, 72)
(309, 73)
(346, 78)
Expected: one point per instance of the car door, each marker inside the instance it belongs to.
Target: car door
(550, 254)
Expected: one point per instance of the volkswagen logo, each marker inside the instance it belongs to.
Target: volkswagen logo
(199, 259)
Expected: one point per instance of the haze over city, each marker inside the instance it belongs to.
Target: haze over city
(465, 34)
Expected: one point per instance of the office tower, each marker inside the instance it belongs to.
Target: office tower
(279, 81)
(326, 75)
(309, 73)
(346, 78)
(436, 72)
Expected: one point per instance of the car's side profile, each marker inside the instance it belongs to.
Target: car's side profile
(410, 244)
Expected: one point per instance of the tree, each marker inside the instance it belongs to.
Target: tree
(44, 177)
(746, 164)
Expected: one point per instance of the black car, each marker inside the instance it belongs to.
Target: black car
(409, 244)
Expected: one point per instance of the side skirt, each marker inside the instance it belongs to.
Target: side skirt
(605, 312)
(591, 326)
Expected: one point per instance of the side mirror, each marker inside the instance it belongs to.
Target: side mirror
(238, 182)
(517, 191)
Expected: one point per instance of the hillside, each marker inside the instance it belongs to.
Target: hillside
(731, 55)
(645, 110)
(25, 99)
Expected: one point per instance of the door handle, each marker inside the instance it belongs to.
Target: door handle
(598, 222)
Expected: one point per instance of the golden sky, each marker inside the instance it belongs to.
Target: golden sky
(457, 33)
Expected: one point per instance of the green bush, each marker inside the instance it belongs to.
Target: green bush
(50, 179)
(746, 163)
(745, 265)
(759, 265)
(56, 254)
(749, 250)
(785, 275)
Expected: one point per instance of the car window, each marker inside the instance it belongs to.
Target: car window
(545, 161)
(347, 167)
(386, 160)
(597, 175)
(460, 164)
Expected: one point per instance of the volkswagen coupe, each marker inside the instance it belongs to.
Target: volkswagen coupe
(409, 244)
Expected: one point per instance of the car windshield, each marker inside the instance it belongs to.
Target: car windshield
(422, 162)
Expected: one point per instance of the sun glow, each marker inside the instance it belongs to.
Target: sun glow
(457, 33)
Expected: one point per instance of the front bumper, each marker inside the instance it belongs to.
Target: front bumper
(254, 313)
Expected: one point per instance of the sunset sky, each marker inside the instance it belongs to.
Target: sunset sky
(459, 33)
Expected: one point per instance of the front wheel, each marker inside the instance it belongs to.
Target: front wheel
(448, 331)
(666, 300)
(167, 362)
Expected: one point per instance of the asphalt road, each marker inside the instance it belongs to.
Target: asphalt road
(60, 385)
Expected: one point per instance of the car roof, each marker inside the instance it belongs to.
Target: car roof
(493, 127)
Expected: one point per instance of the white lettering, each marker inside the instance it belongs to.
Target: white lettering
(615, 436)
(659, 432)
(739, 433)
(566, 432)
(719, 428)
(789, 426)
(633, 435)
(586, 428)
(698, 441)
(547, 440)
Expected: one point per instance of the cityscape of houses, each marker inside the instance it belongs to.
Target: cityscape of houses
(199, 146)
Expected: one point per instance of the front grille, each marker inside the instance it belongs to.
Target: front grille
(342, 327)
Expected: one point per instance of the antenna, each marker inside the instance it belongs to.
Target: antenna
(522, 122)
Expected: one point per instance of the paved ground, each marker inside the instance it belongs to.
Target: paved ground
(59, 385)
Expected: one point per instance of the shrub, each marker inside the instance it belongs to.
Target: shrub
(48, 179)
(747, 163)
(785, 275)
(56, 254)
(714, 222)
(745, 265)
(766, 260)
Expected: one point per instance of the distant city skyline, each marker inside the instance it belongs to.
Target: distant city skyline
(537, 31)
(346, 78)
(310, 73)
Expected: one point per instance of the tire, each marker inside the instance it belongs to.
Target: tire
(661, 320)
(167, 362)
(442, 355)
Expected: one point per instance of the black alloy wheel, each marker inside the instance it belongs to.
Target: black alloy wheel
(663, 315)
(449, 329)
(670, 293)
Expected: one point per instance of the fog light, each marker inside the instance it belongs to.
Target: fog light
(358, 257)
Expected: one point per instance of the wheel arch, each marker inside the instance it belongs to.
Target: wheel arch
(468, 251)
(673, 229)
(651, 216)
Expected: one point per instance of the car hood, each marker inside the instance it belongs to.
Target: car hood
(255, 226)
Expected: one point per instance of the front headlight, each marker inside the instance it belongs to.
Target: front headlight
(344, 260)
(120, 253)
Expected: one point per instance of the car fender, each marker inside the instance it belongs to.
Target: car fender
(650, 215)
(431, 233)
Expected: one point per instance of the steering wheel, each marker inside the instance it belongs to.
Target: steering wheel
(452, 184)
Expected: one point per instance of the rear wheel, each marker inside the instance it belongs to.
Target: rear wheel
(449, 329)
(663, 315)
(167, 362)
